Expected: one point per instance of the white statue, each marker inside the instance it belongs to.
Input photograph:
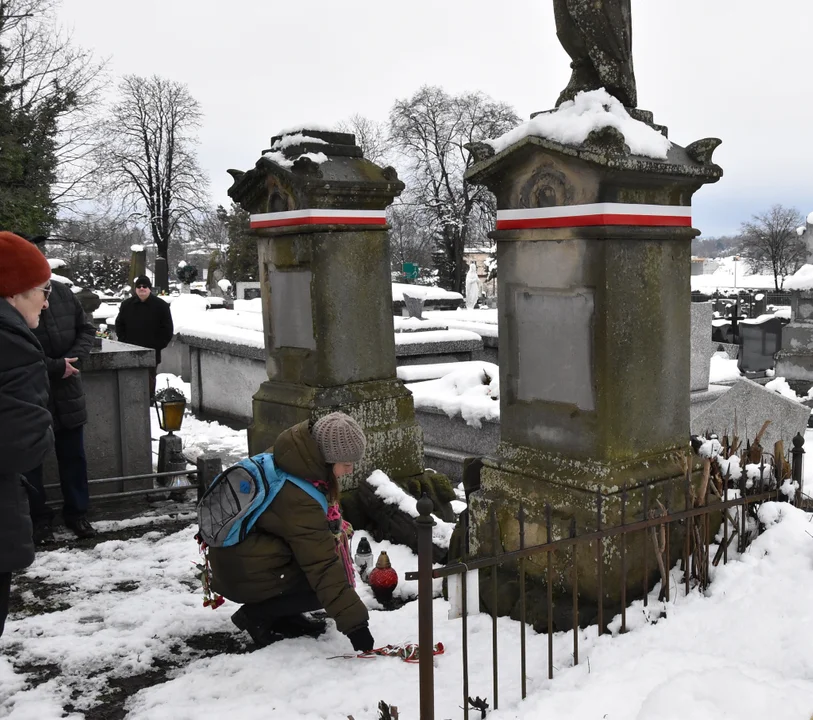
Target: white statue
(472, 286)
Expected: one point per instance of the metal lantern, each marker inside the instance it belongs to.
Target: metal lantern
(170, 405)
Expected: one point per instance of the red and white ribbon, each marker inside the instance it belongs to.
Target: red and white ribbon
(318, 216)
(595, 214)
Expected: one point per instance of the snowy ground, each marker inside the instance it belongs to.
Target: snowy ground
(117, 629)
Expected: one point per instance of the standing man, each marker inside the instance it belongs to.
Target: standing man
(25, 423)
(145, 320)
(66, 337)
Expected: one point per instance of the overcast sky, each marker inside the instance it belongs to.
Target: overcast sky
(740, 70)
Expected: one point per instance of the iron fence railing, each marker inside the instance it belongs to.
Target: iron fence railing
(205, 470)
(695, 518)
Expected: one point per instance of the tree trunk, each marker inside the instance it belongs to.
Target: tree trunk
(459, 275)
(161, 273)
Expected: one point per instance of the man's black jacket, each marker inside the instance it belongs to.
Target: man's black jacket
(65, 332)
(147, 323)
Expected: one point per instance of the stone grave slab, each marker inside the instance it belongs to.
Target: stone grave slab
(749, 405)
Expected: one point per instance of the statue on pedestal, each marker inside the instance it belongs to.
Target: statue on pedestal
(597, 34)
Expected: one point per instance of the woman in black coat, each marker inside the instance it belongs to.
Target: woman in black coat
(25, 423)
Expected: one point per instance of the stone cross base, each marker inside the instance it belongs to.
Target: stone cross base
(383, 408)
(572, 490)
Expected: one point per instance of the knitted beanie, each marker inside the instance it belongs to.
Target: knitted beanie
(339, 437)
(22, 265)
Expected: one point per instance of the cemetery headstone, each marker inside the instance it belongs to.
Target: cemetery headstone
(594, 242)
(318, 211)
(138, 263)
(795, 360)
(702, 349)
(759, 342)
(414, 306)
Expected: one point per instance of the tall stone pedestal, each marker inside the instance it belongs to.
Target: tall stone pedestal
(318, 212)
(594, 251)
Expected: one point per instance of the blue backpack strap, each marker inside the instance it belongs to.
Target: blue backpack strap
(267, 460)
(307, 487)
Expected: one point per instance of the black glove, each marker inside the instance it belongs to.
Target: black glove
(362, 639)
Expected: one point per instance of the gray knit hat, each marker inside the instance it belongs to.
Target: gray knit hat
(339, 438)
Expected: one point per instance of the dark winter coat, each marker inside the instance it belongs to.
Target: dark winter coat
(25, 432)
(291, 541)
(65, 332)
(146, 323)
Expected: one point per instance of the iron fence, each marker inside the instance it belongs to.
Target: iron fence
(205, 470)
(696, 519)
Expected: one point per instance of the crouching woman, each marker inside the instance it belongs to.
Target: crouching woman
(295, 560)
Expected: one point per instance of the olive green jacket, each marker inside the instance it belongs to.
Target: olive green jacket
(290, 543)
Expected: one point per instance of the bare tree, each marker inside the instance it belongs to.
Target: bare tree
(410, 238)
(48, 71)
(149, 159)
(371, 137)
(770, 242)
(430, 130)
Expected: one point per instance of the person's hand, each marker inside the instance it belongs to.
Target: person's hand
(70, 369)
(362, 639)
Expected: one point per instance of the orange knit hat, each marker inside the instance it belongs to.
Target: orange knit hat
(22, 265)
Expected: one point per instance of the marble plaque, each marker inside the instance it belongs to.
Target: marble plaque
(555, 346)
(291, 310)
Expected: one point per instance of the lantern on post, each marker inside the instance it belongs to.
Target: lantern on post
(170, 404)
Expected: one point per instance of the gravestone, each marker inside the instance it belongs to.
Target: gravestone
(138, 264)
(414, 306)
(760, 341)
(795, 360)
(594, 244)
(743, 410)
(247, 290)
(721, 331)
(702, 349)
(317, 209)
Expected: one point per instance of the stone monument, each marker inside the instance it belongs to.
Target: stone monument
(318, 213)
(138, 264)
(594, 248)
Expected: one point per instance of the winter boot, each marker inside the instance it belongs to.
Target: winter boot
(43, 533)
(294, 626)
(80, 527)
(261, 635)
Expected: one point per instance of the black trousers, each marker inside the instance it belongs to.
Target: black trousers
(69, 445)
(5, 592)
(302, 599)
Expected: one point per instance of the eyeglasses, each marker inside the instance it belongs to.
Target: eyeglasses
(142, 287)
(46, 291)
